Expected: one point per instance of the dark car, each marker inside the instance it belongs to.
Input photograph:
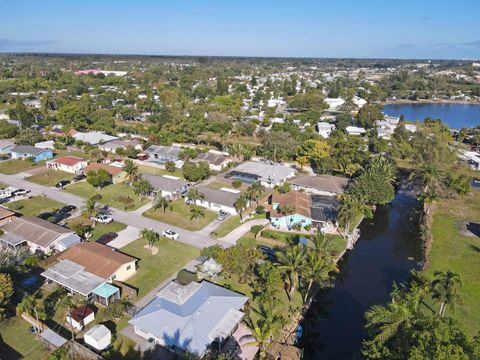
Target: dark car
(106, 238)
(268, 252)
(79, 177)
(67, 209)
(46, 215)
(62, 183)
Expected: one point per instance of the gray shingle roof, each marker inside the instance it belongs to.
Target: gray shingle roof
(211, 158)
(219, 197)
(163, 150)
(162, 183)
(191, 317)
(27, 149)
(334, 184)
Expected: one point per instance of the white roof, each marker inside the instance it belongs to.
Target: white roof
(93, 137)
(97, 333)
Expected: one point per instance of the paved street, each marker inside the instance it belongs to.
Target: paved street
(195, 239)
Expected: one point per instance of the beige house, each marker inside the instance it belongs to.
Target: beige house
(70, 164)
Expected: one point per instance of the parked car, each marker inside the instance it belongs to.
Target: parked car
(78, 177)
(67, 209)
(62, 183)
(102, 219)
(268, 252)
(19, 192)
(106, 238)
(170, 234)
(222, 215)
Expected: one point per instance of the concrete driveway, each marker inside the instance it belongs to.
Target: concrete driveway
(125, 237)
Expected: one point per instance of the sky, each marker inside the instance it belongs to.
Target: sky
(418, 29)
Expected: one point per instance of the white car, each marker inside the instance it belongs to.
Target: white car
(102, 219)
(170, 234)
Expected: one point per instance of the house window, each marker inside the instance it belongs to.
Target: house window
(129, 267)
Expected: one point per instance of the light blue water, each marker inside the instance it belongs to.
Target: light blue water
(454, 115)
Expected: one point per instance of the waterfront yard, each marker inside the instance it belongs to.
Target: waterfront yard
(14, 166)
(34, 206)
(231, 223)
(152, 269)
(180, 216)
(120, 196)
(457, 249)
(49, 177)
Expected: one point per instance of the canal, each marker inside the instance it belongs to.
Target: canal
(386, 251)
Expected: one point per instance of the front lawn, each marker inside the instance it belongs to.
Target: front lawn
(145, 169)
(50, 177)
(152, 270)
(99, 229)
(34, 206)
(231, 223)
(180, 216)
(457, 250)
(20, 341)
(14, 166)
(120, 196)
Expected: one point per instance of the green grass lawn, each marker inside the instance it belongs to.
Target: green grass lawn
(455, 251)
(20, 341)
(14, 166)
(50, 177)
(154, 269)
(99, 229)
(120, 196)
(180, 216)
(34, 206)
(145, 169)
(231, 223)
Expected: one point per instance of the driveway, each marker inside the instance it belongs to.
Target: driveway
(125, 237)
(238, 232)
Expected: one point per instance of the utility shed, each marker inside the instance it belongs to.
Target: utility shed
(51, 339)
(98, 337)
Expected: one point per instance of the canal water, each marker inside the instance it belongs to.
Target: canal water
(454, 115)
(387, 250)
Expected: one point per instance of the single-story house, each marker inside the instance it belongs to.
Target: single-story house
(38, 234)
(218, 199)
(161, 154)
(89, 268)
(92, 137)
(22, 152)
(117, 173)
(71, 164)
(268, 175)
(99, 337)
(168, 186)
(80, 317)
(355, 130)
(303, 209)
(325, 129)
(217, 161)
(49, 144)
(6, 146)
(191, 318)
(320, 184)
(112, 146)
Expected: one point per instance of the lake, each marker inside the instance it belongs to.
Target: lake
(387, 250)
(454, 115)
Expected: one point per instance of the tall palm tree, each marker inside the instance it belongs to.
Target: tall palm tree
(445, 289)
(161, 202)
(428, 197)
(142, 187)
(240, 204)
(318, 270)
(131, 169)
(96, 155)
(255, 191)
(194, 195)
(291, 260)
(431, 175)
(196, 212)
(90, 208)
(150, 236)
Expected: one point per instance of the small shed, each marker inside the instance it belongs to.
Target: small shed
(98, 337)
(80, 317)
(51, 339)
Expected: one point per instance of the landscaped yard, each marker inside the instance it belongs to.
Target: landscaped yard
(50, 177)
(21, 342)
(34, 206)
(454, 248)
(152, 270)
(145, 169)
(180, 216)
(231, 223)
(120, 196)
(15, 166)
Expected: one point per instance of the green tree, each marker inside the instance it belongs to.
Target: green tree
(196, 212)
(291, 261)
(161, 202)
(194, 195)
(240, 204)
(6, 292)
(170, 167)
(90, 209)
(368, 114)
(142, 187)
(99, 178)
(445, 289)
(131, 169)
(150, 237)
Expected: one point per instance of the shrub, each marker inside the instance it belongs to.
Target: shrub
(185, 277)
(260, 209)
(237, 184)
(170, 166)
(256, 229)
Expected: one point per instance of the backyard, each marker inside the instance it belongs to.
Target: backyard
(152, 270)
(457, 249)
(49, 177)
(34, 206)
(180, 216)
(145, 169)
(120, 196)
(14, 166)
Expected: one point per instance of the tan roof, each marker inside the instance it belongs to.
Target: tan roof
(35, 230)
(112, 170)
(334, 184)
(4, 213)
(98, 259)
(299, 201)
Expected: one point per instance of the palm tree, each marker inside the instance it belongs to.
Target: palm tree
(428, 197)
(194, 195)
(196, 212)
(142, 187)
(262, 328)
(150, 236)
(96, 155)
(255, 191)
(445, 288)
(430, 175)
(291, 260)
(350, 207)
(161, 202)
(317, 270)
(131, 170)
(240, 204)
(90, 208)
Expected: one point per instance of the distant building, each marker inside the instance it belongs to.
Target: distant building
(355, 130)
(320, 184)
(117, 173)
(325, 129)
(113, 145)
(6, 146)
(334, 103)
(268, 175)
(216, 161)
(92, 137)
(101, 71)
(49, 144)
(161, 154)
(167, 186)
(22, 152)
